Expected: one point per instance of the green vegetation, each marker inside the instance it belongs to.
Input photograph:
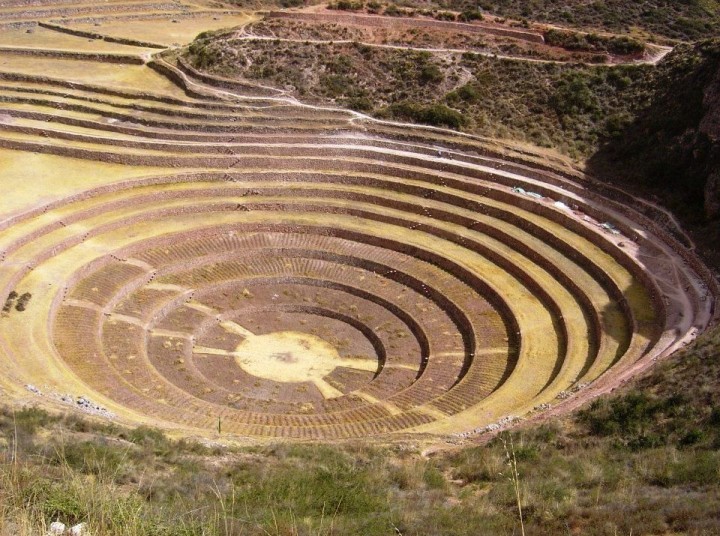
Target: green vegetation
(668, 143)
(619, 45)
(645, 461)
(434, 114)
(564, 106)
(675, 19)
(678, 404)
(346, 5)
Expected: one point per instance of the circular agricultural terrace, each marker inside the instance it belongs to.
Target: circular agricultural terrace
(302, 272)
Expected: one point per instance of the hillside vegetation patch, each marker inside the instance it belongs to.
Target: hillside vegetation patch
(570, 107)
(682, 20)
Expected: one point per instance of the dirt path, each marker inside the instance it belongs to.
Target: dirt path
(653, 59)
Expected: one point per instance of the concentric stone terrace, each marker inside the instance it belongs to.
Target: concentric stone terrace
(310, 273)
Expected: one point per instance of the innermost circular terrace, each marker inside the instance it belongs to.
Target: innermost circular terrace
(293, 356)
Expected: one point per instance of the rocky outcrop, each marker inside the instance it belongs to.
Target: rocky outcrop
(710, 126)
(671, 148)
(712, 196)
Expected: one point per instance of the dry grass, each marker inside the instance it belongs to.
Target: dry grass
(137, 482)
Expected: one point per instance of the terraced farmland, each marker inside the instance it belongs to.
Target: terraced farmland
(194, 249)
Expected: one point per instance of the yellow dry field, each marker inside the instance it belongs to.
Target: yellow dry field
(42, 38)
(37, 178)
(170, 31)
(136, 77)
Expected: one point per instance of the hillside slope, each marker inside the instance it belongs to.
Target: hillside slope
(654, 130)
(675, 19)
(670, 147)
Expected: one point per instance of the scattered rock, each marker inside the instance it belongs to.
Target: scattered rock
(493, 427)
(78, 530)
(90, 407)
(56, 528)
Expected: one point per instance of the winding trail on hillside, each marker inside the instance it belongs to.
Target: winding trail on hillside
(653, 59)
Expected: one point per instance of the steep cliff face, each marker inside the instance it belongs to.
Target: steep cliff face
(671, 147)
(710, 126)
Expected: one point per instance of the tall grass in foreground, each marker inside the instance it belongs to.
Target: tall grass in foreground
(121, 488)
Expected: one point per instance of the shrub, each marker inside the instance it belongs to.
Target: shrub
(445, 15)
(624, 45)
(616, 124)
(93, 457)
(149, 437)
(470, 15)
(714, 417)
(373, 6)
(347, 5)
(619, 45)
(467, 93)
(430, 73)
(435, 114)
(433, 478)
(203, 55)
(668, 467)
(630, 418)
(55, 500)
(475, 465)
(28, 419)
(335, 84)
(360, 104)
(573, 95)
(393, 11)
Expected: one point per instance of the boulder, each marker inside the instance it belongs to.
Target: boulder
(56, 528)
(79, 530)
